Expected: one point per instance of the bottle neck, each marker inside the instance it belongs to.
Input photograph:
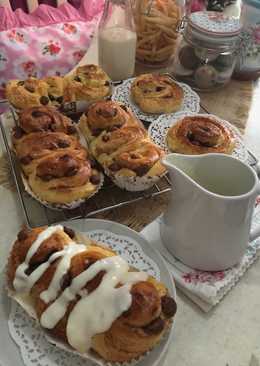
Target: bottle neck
(118, 13)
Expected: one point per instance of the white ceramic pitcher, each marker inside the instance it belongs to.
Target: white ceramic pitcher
(207, 223)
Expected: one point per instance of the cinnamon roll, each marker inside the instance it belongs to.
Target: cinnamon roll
(27, 93)
(90, 83)
(58, 92)
(200, 134)
(156, 93)
(105, 116)
(141, 159)
(42, 119)
(87, 296)
(31, 147)
(64, 177)
(120, 143)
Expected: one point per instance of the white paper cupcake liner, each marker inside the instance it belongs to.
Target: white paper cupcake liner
(133, 184)
(61, 206)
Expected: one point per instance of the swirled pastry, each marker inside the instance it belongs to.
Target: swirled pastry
(119, 142)
(27, 93)
(31, 147)
(58, 91)
(140, 159)
(105, 116)
(86, 295)
(156, 93)
(64, 177)
(42, 119)
(90, 83)
(199, 135)
(109, 142)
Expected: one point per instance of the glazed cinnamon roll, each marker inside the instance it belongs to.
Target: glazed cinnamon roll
(27, 93)
(156, 93)
(90, 83)
(42, 119)
(36, 145)
(105, 116)
(200, 134)
(70, 286)
(64, 177)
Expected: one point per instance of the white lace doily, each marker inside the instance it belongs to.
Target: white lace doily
(159, 128)
(34, 347)
(122, 93)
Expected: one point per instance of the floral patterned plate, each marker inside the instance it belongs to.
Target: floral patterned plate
(122, 93)
(159, 128)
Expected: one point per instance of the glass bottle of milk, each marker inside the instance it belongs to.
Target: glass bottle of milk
(117, 40)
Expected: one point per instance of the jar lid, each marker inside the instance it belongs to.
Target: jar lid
(214, 24)
(254, 3)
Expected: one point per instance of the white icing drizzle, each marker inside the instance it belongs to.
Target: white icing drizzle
(62, 268)
(93, 313)
(23, 282)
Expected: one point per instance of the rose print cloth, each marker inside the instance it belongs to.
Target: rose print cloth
(54, 48)
(205, 288)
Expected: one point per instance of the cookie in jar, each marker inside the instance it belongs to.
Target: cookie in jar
(206, 56)
(156, 27)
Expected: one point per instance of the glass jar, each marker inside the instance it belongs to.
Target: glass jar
(248, 65)
(206, 56)
(117, 40)
(156, 26)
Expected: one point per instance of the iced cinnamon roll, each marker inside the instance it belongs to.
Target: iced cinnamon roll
(87, 296)
(64, 177)
(156, 93)
(31, 147)
(42, 119)
(200, 134)
(89, 82)
(105, 116)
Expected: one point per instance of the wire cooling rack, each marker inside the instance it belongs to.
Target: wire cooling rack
(110, 197)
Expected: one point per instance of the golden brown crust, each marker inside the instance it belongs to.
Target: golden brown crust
(135, 332)
(36, 145)
(42, 119)
(105, 116)
(200, 135)
(120, 143)
(139, 159)
(89, 82)
(156, 93)
(64, 177)
(27, 93)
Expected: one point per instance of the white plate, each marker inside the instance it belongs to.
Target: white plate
(34, 347)
(159, 128)
(122, 93)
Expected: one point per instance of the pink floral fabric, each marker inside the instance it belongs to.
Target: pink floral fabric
(52, 49)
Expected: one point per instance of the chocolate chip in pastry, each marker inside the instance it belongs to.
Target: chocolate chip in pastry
(106, 116)
(31, 147)
(63, 177)
(89, 82)
(27, 93)
(42, 119)
(156, 93)
(199, 134)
